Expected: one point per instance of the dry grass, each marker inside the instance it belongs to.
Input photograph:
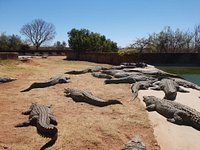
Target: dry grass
(80, 126)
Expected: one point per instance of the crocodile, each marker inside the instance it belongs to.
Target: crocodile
(42, 117)
(175, 112)
(136, 143)
(129, 79)
(52, 81)
(156, 73)
(6, 79)
(170, 88)
(101, 75)
(119, 73)
(140, 85)
(87, 97)
(87, 70)
(186, 84)
(112, 72)
(130, 65)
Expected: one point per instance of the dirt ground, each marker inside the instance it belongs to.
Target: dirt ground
(80, 126)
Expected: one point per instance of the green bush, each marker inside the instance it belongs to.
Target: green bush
(84, 40)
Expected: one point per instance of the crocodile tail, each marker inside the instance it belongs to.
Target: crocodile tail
(48, 131)
(51, 142)
(26, 90)
(113, 101)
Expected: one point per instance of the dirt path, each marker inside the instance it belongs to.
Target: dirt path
(80, 125)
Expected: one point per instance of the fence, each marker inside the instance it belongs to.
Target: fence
(8, 55)
(150, 58)
(38, 52)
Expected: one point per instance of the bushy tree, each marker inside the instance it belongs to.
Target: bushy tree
(140, 44)
(84, 40)
(169, 41)
(11, 42)
(3, 42)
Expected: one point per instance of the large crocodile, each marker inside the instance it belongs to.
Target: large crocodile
(42, 117)
(186, 84)
(129, 79)
(6, 79)
(170, 88)
(87, 70)
(112, 72)
(101, 75)
(119, 73)
(87, 97)
(130, 65)
(52, 81)
(140, 85)
(174, 112)
(153, 72)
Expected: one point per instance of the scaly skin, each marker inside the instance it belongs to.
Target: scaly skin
(83, 96)
(44, 120)
(174, 112)
(170, 88)
(140, 85)
(87, 70)
(129, 79)
(101, 75)
(135, 144)
(52, 81)
(186, 84)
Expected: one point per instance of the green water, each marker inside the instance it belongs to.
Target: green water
(195, 78)
(191, 74)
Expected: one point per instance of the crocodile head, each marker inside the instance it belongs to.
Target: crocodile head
(62, 80)
(12, 79)
(33, 105)
(149, 100)
(67, 92)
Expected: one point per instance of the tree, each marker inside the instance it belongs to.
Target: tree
(84, 40)
(14, 42)
(140, 44)
(3, 42)
(38, 32)
(11, 42)
(197, 37)
(60, 45)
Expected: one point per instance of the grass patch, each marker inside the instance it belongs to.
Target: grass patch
(180, 70)
(9, 62)
(12, 66)
(69, 62)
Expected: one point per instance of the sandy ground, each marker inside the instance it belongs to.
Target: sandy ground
(81, 126)
(171, 136)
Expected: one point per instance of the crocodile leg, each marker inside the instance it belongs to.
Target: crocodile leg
(155, 87)
(24, 124)
(52, 120)
(27, 112)
(151, 107)
(182, 90)
(178, 117)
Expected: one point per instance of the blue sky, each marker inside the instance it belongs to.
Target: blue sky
(120, 20)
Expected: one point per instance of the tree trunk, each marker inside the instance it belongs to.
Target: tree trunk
(37, 47)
